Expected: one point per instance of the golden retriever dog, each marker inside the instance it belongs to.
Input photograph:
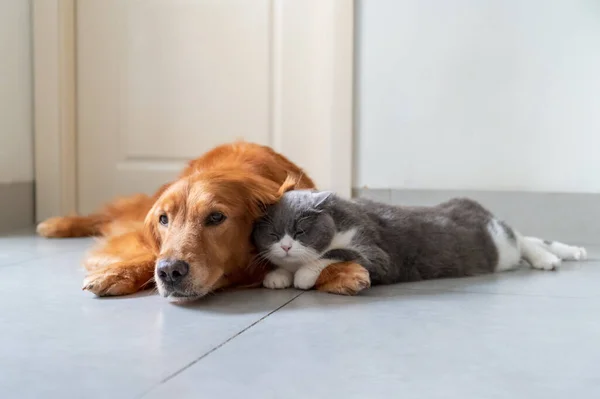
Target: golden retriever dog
(192, 236)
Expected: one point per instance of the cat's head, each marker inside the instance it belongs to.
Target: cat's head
(297, 229)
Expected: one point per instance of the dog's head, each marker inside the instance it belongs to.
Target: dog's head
(200, 228)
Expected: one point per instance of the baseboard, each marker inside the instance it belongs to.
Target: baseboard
(17, 207)
(569, 217)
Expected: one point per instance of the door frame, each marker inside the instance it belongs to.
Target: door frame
(55, 107)
(330, 90)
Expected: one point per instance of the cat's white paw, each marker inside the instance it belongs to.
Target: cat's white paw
(278, 279)
(569, 252)
(579, 253)
(305, 278)
(546, 261)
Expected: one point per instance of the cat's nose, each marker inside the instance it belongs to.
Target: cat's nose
(286, 248)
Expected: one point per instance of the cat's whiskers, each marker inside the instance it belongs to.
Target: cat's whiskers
(264, 255)
(267, 218)
(307, 259)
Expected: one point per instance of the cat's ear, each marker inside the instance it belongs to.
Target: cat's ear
(320, 197)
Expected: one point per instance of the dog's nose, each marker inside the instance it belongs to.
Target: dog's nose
(172, 270)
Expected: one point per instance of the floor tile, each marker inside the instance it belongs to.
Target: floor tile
(573, 279)
(23, 245)
(523, 334)
(58, 341)
(410, 344)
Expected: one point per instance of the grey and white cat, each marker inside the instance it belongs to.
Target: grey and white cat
(307, 230)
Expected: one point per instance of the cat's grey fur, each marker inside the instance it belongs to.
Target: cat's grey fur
(400, 243)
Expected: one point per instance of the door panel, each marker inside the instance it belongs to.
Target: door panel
(162, 81)
(194, 74)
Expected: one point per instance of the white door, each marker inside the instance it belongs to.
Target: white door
(162, 81)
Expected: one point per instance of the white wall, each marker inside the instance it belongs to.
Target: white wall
(486, 95)
(16, 134)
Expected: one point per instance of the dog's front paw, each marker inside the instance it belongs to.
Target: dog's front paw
(305, 278)
(345, 278)
(278, 279)
(109, 284)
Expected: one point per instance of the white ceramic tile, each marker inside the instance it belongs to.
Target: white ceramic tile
(58, 341)
(515, 335)
(407, 344)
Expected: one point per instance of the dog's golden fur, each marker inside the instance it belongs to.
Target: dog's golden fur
(236, 179)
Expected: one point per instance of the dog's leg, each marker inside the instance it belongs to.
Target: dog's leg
(344, 278)
(121, 265)
(102, 223)
(562, 250)
(71, 226)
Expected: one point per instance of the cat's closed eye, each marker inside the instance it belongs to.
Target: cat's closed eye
(302, 225)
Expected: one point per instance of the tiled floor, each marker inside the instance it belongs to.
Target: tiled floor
(522, 334)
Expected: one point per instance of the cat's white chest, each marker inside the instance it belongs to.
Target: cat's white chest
(302, 265)
(291, 254)
(342, 240)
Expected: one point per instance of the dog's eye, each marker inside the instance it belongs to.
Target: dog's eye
(163, 219)
(215, 218)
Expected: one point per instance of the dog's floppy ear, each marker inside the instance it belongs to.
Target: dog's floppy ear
(260, 192)
(290, 183)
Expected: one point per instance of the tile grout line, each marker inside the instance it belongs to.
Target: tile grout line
(193, 362)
